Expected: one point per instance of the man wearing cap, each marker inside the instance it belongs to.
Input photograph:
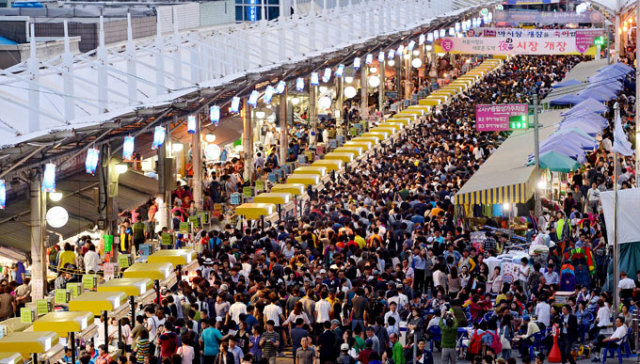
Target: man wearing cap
(532, 329)
(344, 357)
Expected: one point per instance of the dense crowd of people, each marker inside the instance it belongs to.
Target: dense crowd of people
(378, 269)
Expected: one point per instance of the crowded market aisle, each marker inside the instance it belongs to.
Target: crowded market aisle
(378, 260)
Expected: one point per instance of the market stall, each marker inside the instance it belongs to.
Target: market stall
(11, 358)
(40, 346)
(255, 211)
(280, 199)
(76, 325)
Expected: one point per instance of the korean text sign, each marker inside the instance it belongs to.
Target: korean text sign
(496, 117)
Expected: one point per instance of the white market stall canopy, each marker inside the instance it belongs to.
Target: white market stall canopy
(628, 223)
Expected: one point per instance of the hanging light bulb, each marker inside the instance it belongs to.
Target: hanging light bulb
(49, 178)
(324, 103)
(235, 105)
(416, 63)
(421, 39)
(381, 57)
(253, 98)
(373, 70)
(340, 71)
(391, 63)
(3, 195)
(91, 161)
(416, 52)
(348, 79)
(191, 124)
(356, 62)
(300, 84)
(55, 196)
(315, 79)
(127, 148)
(369, 59)
(214, 115)
(326, 77)
(429, 48)
(350, 92)
(430, 38)
(323, 89)
(210, 138)
(281, 87)
(374, 81)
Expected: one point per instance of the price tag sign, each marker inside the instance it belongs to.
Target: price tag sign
(272, 177)
(109, 271)
(75, 289)
(123, 261)
(167, 239)
(235, 198)
(43, 306)
(333, 143)
(247, 192)
(195, 221)
(108, 243)
(90, 282)
(62, 296)
(184, 228)
(205, 217)
(26, 315)
(37, 289)
(259, 185)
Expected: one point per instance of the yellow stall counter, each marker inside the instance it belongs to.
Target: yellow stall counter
(176, 257)
(254, 211)
(153, 271)
(276, 198)
(46, 344)
(132, 287)
(64, 322)
(296, 189)
(11, 358)
(319, 170)
(380, 135)
(345, 157)
(430, 102)
(357, 151)
(329, 164)
(362, 144)
(305, 179)
(97, 302)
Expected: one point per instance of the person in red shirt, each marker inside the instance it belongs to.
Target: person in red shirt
(168, 341)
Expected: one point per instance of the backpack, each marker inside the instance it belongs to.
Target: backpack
(475, 344)
(496, 345)
(568, 282)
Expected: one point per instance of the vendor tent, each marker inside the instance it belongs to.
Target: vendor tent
(567, 100)
(557, 162)
(566, 83)
(588, 105)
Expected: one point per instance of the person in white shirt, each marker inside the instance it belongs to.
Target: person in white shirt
(92, 259)
(273, 312)
(393, 313)
(612, 341)
(323, 311)
(626, 286)
(543, 311)
(237, 308)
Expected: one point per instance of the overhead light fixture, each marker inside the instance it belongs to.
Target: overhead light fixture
(300, 84)
(406, 56)
(260, 114)
(429, 47)
(421, 39)
(391, 63)
(281, 87)
(326, 77)
(3, 194)
(369, 59)
(411, 45)
(57, 217)
(324, 103)
(381, 57)
(430, 37)
(340, 71)
(235, 105)
(356, 63)
(443, 33)
(323, 89)
(416, 63)
(92, 159)
(315, 79)
(400, 49)
(177, 147)
(542, 184)
(416, 53)
(348, 79)
(127, 148)
(214, 115)
(55, 196)
(268, 94)
(506, 206)
(295, 101)
(391, 54)
(350, 92)
(122, 168)
(253, 98)
(191, 124)
(374, 81)
(210, 138)
(373, 70)
(451, 32)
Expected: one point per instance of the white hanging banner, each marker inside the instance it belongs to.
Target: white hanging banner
(510, 46)
(528, 33)
(628, 222)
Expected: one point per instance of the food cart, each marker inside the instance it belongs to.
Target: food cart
(330, 164)
(362, 144)
(183, 260)
(295, 189)
(379, 135)
(40, 346)
(424, 109)
(160, 273)
(80, 323)
(345, 157)
(319, 170)
(357, 151)
(102, 304)
(255, 211)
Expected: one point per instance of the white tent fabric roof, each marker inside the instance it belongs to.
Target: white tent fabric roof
(628, 223)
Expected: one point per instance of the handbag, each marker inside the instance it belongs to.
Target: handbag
(506, 344)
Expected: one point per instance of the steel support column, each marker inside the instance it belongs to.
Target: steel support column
(284, 127)
(38, 204)
(196, 153)
(247, 140)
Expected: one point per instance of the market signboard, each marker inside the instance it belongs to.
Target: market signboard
(496, 117)
(586, 38)
(548, 17)
(510, 46)
(531, 33)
